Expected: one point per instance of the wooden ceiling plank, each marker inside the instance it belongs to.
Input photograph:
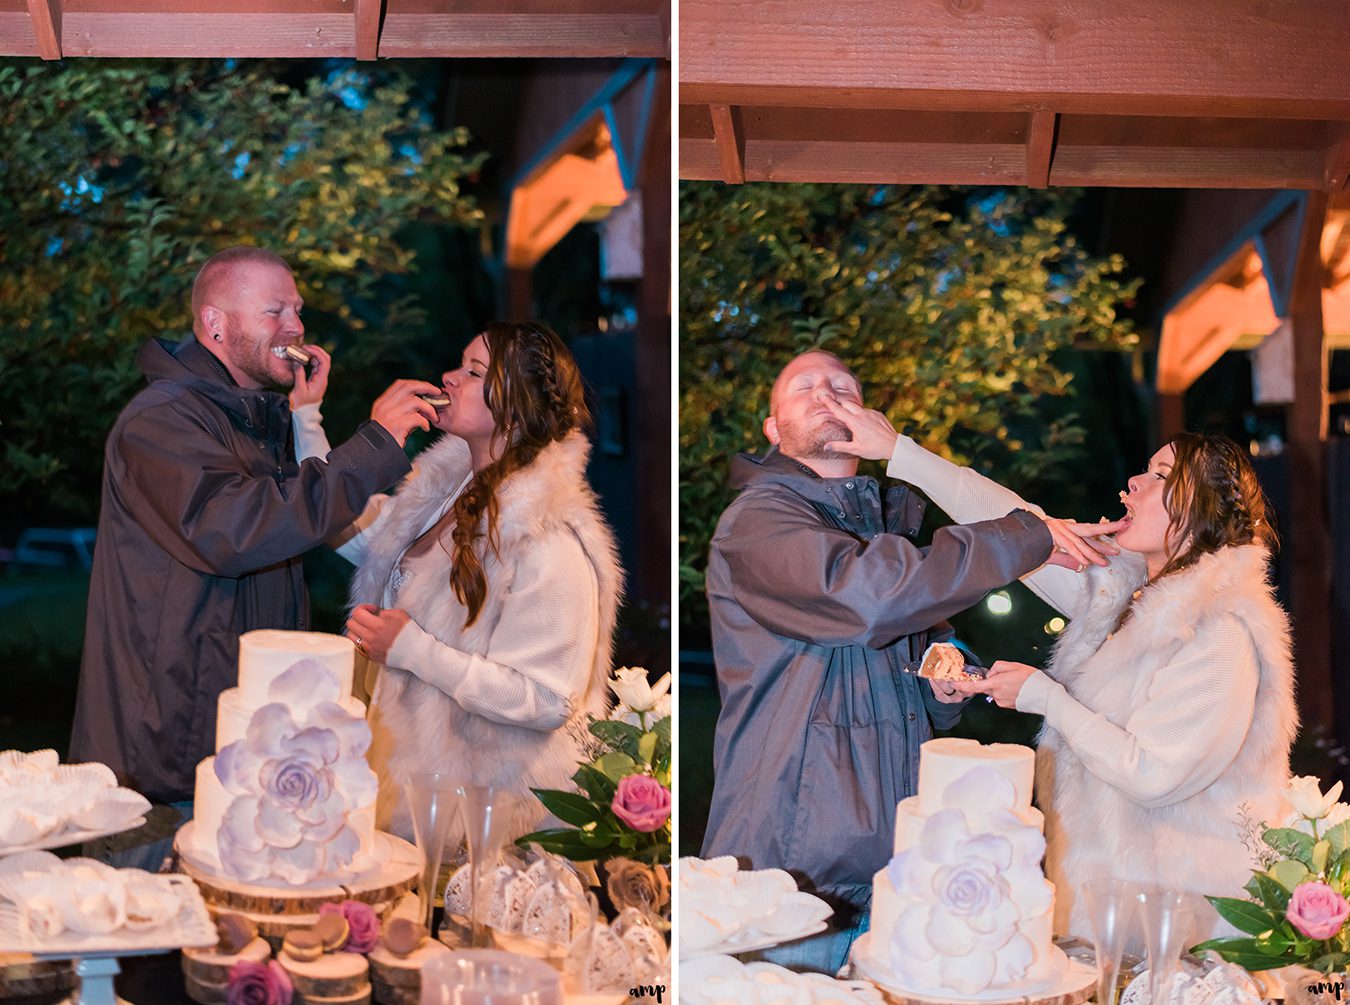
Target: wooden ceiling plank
(861, 163)
(367, 17)
(1182, 167)
(729, 135)
(1040, 147)
(1145, 57)
(225, 34)
(46, 17)
(588, 35)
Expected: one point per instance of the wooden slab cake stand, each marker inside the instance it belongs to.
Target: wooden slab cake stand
(278, 910)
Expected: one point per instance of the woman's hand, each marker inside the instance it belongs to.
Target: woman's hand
(310, 386)
(374, 630)
(1003, 683)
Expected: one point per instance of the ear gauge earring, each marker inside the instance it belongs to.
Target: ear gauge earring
(216, 336)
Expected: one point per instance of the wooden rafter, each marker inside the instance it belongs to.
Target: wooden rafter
(1040, 147)
(730, 138)
(1337, 177)
(46, 17)
(301, 28)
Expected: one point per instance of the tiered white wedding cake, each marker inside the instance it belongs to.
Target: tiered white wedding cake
(964, 908)
(289, 797)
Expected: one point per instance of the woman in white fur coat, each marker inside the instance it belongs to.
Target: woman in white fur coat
(487, 586)
(1169, 700)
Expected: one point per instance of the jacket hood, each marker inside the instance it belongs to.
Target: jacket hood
(189, 364)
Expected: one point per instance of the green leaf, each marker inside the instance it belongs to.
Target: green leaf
(647, 748)
(1330, 963)
(1290, 843)
(615, 765)
(1244, 915)
(595, 784)
(619, 735)
(569, 807)
(1289, 874)
(1243, 952)
(1320, 851)
(1339, 836)
(565, 842)
(1268, 892)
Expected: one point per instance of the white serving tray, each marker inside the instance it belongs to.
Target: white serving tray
(63, 838)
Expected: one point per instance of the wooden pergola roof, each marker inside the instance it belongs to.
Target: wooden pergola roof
(1203, 94)
(365, 29)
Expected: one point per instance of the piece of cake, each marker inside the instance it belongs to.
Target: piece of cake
(943, 661)
(964, 908)
(289, 798)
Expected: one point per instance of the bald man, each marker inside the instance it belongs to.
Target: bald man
(819, 597)
(205, 515)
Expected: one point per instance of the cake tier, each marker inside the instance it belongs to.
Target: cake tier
(234, 712)
(910, 818)
(1046, 965)
(212, 800)
(266, 654)
(944, 761)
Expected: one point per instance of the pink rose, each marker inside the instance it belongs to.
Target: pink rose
(1317, 910)
(258, 984)
(641, 802)
(363, 924)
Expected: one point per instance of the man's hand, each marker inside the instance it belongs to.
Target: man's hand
(873, 435)
(945, 691)
(399, 410)
(310, 388)
(374, 630)
(1003, 683)
(1078, 544)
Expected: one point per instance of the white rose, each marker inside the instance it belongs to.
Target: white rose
(631, 688)
(1305, 796)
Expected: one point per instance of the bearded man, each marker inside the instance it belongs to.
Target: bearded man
(819, 598)
(204, 517)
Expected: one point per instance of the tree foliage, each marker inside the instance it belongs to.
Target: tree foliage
(953, 307)
(119, 178)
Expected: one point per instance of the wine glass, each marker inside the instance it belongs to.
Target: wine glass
(1168, 917)
(1111, 908)
(431, 801)
(487, 812)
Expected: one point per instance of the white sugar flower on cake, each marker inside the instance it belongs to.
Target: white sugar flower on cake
(965, 887)
(298, 772)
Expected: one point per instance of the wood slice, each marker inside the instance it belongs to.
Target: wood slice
(392, 994)
(206, 994)
(332, 975)
(1067, 998)
(396, 876)
(206, 966)
(358, 998)
(274, 928)
(402, 972)
(24, 974)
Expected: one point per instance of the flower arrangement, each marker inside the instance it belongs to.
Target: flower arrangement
(1297, 908)
(623, 804)
(259, 984)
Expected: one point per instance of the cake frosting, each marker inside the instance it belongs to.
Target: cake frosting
(288, 796)
(964, 908)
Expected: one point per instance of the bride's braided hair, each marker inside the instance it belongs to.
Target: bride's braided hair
(533, 390)
(1213, 500)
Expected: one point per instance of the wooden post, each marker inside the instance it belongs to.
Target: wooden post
(1171, 415)
(1309, 537)
(519, 305)
(653, 356)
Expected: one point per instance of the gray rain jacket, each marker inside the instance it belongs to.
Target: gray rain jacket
(204, 517)
(818, 597)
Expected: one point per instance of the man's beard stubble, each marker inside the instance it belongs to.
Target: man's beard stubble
(805, 441)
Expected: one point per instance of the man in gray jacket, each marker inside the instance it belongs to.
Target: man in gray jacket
(204, 518)
(819, 598)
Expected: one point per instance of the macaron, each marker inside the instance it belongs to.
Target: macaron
(302, 945)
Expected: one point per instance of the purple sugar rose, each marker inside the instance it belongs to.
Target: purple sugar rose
(363, 924)
(1317, 910)
(296, 781)
(641, 802)
(258, 984)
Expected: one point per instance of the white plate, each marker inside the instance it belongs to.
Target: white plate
(1074, 977)
(749, 942)
(61, 839)
(192, 927)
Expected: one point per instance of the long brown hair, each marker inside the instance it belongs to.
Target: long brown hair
(533, 390)
(1213, 500)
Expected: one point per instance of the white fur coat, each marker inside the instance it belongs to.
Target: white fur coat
(1093, 829)
(417, 727)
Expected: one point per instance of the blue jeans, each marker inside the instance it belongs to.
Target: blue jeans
(149, 845)
(824, 953)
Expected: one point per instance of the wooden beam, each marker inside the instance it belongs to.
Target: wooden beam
(1309, 536)
(1040, 147)
(46, 16)
(1338, 164)
(730, 139)
(1148, 57)
(526, 28)
(1171, 415)
(368, 28)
